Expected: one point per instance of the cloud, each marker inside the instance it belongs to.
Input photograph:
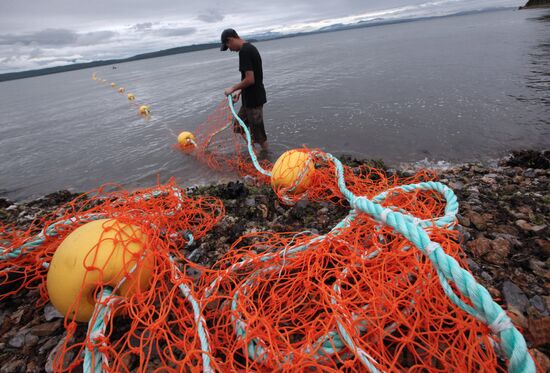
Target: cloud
(56, 37)
(142, 26)
(211, 16)
(51, 37)
(176, 31)
(30, 36)
(96, 37)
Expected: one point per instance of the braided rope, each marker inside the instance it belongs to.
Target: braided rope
(96, 331)
(41, 237)
(512, 341)
(200, 322)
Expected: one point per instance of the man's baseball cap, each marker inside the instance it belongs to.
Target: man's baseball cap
(227, 33)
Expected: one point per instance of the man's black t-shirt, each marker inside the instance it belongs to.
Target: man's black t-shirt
(249, 59)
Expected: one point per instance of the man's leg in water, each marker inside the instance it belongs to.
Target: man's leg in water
(256, 125)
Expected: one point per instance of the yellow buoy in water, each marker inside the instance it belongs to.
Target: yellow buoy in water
(113, 85)
(293, 171)
(186, 139)
(144, 110)
(131, 97)
(99, 253)
(121, 90)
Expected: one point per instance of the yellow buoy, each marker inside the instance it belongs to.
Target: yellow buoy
(131, 97)
(99, 253)
(121, 90)
(144, 110)
(113, 85)
(293, 171)
(186, 139)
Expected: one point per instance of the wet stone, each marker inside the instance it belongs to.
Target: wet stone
(544, 246)
(50, 313)
(14, 366)
(500, 250)
(478, 220)
(480, 246)
(539, 304)
(523, 225)
(17, 341)
(46, 329)
(456, 185)
(514, 296)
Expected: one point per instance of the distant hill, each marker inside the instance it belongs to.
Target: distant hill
(253, 38)
(78, 66)
(536, 4)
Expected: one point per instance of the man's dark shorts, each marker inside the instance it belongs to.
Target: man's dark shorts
(253, 117)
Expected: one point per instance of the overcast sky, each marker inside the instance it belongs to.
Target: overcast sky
(43, 33)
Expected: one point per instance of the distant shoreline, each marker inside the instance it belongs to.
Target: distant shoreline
(536, 4)
(199, 47)
(546, 6)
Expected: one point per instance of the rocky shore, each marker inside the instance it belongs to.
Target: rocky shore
(504, 217)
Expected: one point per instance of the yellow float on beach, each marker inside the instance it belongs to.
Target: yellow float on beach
(121, 90)
(293, 171)
(131, 97)
(100, 253)
(186, 139)
(144, 110)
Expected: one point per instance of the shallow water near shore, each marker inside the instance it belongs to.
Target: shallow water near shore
(453, 89)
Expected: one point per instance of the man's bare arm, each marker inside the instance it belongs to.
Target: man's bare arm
(246, 82)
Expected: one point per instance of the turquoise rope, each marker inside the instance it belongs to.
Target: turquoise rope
(40, 238)
(248, 139)
(202, 329)
(7, 253)
(512, 341)
(93, 358)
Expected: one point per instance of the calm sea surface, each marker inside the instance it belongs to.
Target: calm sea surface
(458, 89)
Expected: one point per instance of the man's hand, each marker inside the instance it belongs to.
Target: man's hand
(236, 95)
(228, 91)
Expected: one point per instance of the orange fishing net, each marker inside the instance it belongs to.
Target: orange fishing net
(155, 320)
(290, 313)
(358, 297)
(220, 148)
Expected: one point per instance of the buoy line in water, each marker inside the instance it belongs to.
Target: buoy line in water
(143, 110)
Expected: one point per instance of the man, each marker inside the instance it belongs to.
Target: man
(251, 87)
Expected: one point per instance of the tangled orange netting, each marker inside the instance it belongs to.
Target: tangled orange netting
(359, 297)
